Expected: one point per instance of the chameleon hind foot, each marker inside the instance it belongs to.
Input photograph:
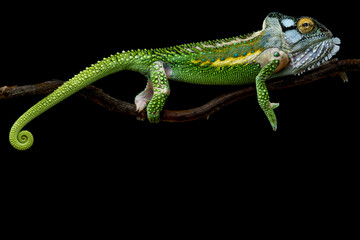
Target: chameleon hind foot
(143, 98)
(154, 96)
(155, 107)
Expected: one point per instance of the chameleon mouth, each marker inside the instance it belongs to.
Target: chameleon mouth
(314, 56)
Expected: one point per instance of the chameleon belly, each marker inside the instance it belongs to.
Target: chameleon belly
(216, 75)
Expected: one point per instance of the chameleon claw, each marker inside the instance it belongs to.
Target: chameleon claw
(140, 105)
(143, 98)
(142, 116)
(274, 105)
(274, 127)
(271, 117)
(269, 112)
(344, 76)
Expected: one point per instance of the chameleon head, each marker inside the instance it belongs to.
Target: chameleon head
(307, 42)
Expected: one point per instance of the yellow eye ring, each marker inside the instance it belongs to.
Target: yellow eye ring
(305, 25)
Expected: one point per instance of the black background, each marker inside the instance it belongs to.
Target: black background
(81, 148)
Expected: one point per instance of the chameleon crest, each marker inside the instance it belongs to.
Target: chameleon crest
(285, 46)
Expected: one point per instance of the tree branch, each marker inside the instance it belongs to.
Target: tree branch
(336, 67)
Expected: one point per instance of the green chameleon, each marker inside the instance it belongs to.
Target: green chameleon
(285, 46)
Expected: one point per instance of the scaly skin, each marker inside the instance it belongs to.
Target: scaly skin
(285, 46)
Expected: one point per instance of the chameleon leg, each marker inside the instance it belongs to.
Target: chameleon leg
(262, 93)
(161, 91)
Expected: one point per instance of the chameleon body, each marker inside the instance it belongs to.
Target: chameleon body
(285, 46)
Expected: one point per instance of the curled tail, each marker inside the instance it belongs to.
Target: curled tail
(22, 139)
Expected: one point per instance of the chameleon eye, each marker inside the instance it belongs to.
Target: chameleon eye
(305, 25)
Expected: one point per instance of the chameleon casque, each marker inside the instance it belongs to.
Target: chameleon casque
(285, 46)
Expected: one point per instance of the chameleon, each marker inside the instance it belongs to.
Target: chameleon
(286, 45)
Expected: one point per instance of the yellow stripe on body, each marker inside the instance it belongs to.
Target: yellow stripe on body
(230, 61)
(236, 60)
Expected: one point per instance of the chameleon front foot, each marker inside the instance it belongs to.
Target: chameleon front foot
(269, 112)
(262, 92)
